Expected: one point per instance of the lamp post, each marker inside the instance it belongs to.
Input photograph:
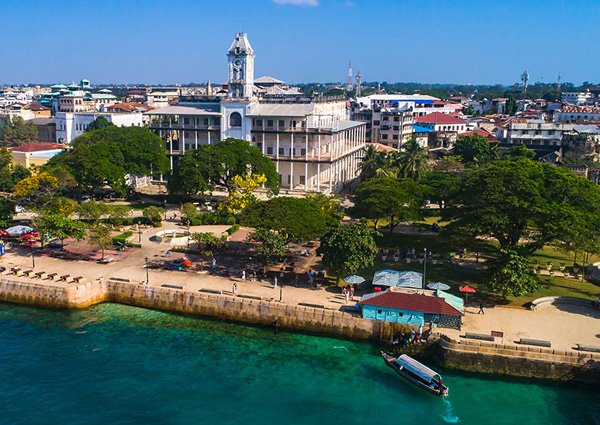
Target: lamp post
(424, 267)
(32, 258)
(139, 228)
(147, 277)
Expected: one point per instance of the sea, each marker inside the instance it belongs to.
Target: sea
(115, 364)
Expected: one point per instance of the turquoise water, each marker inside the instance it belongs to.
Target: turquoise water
(114, 364)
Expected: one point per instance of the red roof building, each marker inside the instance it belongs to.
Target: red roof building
(437, 121)
(482, 134)
(412, 302)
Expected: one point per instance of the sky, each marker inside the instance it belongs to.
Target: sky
(183, 41)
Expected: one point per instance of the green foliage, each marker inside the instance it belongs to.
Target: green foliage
(9, 174)
(122, 238)
(439, 188)
(18, 132)
(511, 273)
(525, 201)
(297, 218)
(329, 203)
(99, 123)
(7, 211)
(475, 150)
(62, 206)
(188, 210)
(154, 215)
(209, 240)
(413, 162)
(92, 211)
(511, 105)
(271, 245)
(210, 219)
(396, 200)
(99, 236)
(233, 229)
(373, 163)
(60, 227)
(347, 249)
(104, 157)
(518, 151)
(117, 215)
(219, 164)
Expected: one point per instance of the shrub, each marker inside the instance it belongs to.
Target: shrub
(230, 220)
(122, 238)
(233, 229)
(154, 215)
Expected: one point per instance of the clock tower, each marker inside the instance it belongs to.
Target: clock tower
(241, 67)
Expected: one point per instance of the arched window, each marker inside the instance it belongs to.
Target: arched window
(235, 120)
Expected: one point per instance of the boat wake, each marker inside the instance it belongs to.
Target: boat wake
(341, 346)
(448, 416)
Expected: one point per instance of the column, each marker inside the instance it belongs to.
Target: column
(306, 161)
(196, 132)
(319, 162)
(292, 162)
(262, 147)
(208, 133)
(182, 132)
(277, 149)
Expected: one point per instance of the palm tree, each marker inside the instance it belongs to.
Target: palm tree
(413, 161)
(371, 162)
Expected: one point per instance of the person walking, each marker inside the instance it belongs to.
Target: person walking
(243, 274)
(481, 307)
(346, 296)
(275, 281)
(234, 288)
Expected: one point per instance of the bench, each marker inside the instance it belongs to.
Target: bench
(120, 279)
(536, 342)
(482, 337)
(313, 305)
(79, 279)
(211, 291)
(590, 348)
(251, 296)
(16, 271)
(65, 277)
(52, 276)
(28, 273)
(172, 286)
(41, 275)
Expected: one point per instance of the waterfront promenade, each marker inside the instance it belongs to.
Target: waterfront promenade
(564, 326)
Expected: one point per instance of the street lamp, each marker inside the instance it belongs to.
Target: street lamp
(147, 278)
(424, 267)
(139, 228)
(32, 258)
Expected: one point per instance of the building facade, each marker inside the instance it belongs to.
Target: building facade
(69, 125)
(313, 144)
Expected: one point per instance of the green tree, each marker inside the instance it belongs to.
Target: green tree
(60, 227)
(99, 123)
(99, 236)
(188, 210)
(396, 200)
(271, 245)
(60, 205)
(439, 188)
(412, 160)
(208, 240)
(92, 211)
(7, 212)
(154, 215)
(20, 133)
(511, 105)
(475, 150)
(347, 249)
(373, 163)
(511, 274)
(298, 218)
(525, 202)
(117, 214)
(518, 151)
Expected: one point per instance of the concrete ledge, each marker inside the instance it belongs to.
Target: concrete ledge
(171, 285)
(313, 305)
(251, 296)
(535, 342)
(211, 291)
(589, 348)
(545, 301)
(482, 337)
(119, 279)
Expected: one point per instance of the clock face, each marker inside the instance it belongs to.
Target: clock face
(237, 62)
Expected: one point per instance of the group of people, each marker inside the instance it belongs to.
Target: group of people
(348, 292)
(412, 337)
(404, 254)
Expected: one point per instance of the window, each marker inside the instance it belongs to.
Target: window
(215, 121)
(384, 136)
(525, 131)
(281, 151)
(293, 124)
(378, 311)
(396, 128)
(396, 119)
(186, 120)
(395, 137)
(376, 122)
(269, 123)
(303, 152)
(281, 123)
(302, 180)
(269, 150)
(205, 121)
(235, 120)
(289, 179)
(259, 145)
(259, 123)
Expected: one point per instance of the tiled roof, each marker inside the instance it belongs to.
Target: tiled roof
(382, 148)
(36, 107)
(580, 109)
(479, 132)
(130, 107)
(508, 121)
(412, 302)
(36, 147)
(439, 118)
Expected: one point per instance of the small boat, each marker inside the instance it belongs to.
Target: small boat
(416, 373)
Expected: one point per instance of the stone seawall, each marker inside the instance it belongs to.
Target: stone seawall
(518, 361)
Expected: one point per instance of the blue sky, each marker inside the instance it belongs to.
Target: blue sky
(179, 41)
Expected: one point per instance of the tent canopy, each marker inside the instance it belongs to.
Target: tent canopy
(438, 285)
(354, 279)
(398, 279)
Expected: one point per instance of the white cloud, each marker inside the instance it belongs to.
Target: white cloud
(350, 3)
(313, 3)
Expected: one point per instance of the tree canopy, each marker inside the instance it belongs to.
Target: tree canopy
(99, 123)
(475, 150)
(298, 218)
(19, 132)
(103, 157)
(522, 201)
(201, 169)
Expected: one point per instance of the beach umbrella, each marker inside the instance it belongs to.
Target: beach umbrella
(438, 285)
(354, 279)
(467, 290)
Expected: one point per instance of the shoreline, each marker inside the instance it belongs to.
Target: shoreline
(532, 363)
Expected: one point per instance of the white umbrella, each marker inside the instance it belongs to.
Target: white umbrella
(354, 279)
(438, 285)
(18, 230)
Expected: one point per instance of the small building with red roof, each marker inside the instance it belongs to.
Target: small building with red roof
(414, 307)
(34, 154)
(437, 121)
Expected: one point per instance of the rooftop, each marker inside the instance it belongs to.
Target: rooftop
(439, 118)
(199, 109)
(36, 147)
(412, 302)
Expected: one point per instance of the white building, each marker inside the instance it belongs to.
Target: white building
(441, 122)
(314, 146)
(69, 125)
(577, 98)
(577, 113)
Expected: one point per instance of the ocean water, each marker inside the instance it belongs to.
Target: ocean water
(113, 364)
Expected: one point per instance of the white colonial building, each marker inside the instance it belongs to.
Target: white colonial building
(314, 146)
(69, 125)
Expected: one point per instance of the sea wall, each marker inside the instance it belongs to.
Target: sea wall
(517, 361)
(52, 294)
